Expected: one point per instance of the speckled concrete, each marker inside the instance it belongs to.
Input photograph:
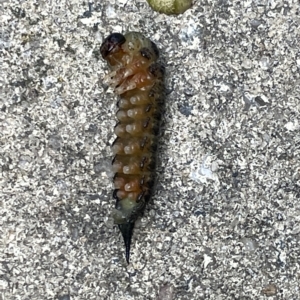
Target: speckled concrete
(225, 219)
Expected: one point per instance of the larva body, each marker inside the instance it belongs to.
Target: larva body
(137, 76)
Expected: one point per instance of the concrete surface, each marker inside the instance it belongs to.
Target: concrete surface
(224, 222)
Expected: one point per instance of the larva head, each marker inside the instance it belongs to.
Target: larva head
(112, 44)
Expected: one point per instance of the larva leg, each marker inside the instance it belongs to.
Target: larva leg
(136, 81)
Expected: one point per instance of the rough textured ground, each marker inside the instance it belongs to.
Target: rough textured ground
(225, 219)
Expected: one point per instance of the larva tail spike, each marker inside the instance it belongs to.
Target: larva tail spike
(127, 230)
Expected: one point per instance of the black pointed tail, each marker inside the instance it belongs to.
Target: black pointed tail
(127, 230)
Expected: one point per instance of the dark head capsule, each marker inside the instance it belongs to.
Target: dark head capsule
(111, 44)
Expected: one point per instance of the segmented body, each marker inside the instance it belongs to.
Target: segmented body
(137, 77)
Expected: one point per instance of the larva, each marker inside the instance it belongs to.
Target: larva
(138, 77)
(170, 7)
